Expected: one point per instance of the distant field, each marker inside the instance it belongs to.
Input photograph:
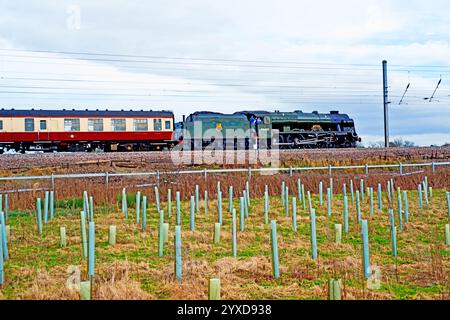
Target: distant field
(132, 269)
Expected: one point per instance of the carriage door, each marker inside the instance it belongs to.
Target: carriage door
(43, 132)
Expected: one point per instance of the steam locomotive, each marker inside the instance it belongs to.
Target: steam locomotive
(294, 130)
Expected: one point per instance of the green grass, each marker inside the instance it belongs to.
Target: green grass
(34, 256)
(409, 291)
(75, 203)
(131, 199)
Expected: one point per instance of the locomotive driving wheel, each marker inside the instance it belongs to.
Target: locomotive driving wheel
(285, 140)
(291, 140)
(297, 141)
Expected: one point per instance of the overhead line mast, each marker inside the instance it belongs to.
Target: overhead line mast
(386, 105)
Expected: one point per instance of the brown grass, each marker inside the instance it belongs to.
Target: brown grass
(132, 269)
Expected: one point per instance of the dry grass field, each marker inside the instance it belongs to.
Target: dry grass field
(59, 163)
(132, 269)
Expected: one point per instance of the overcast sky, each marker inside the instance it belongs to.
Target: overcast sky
(298, 55)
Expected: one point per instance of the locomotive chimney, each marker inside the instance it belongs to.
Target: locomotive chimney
(184, 118)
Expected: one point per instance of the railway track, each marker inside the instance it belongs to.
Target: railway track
(160, 160)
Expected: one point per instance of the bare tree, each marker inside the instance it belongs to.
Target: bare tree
(400, 143)
(378, 144)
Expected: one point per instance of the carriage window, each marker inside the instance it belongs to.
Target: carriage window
(1, 124)
(43, 125)
(118, 125)
(140, 124)
(71, 124)
(95, 124)
(167, 124)
(157, 124)
(29, 124)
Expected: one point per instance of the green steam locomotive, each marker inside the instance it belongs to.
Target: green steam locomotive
(262, 129)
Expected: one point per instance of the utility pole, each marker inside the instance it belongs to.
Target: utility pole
(386, 105)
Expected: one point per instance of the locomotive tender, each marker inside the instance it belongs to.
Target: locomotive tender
(120, 130)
